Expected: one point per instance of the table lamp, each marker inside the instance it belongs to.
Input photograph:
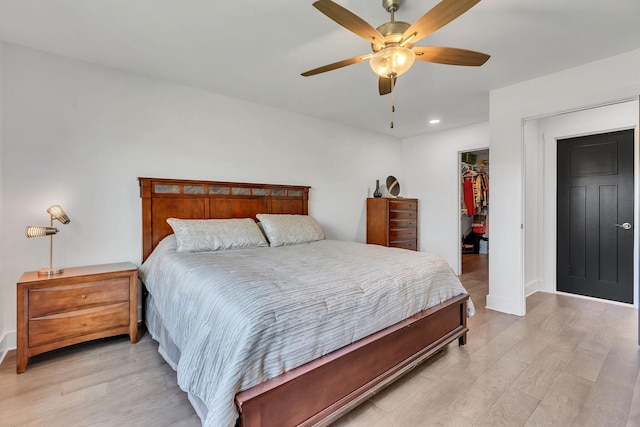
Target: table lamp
(55, 212)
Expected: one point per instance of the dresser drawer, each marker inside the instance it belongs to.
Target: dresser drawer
(405, 244)
(405, 205)
(57, 299)
(402, 234)
(402, 215)
(403, 223)
(68, 324)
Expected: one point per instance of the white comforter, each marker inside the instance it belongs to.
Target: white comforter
(240, 317)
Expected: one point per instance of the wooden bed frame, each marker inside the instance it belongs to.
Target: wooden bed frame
(323, 390)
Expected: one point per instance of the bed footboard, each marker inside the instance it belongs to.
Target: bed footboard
(321, 391)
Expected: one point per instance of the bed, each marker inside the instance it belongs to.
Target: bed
(335, 380)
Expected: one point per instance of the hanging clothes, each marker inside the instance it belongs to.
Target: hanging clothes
(475, 191)
(469, 198)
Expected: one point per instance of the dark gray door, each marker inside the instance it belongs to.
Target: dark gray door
(595, 216)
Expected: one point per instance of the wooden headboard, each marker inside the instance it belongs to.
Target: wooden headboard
(189, 199)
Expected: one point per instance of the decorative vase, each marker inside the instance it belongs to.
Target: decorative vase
(377, 192)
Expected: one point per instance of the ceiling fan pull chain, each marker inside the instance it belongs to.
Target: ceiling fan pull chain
(393, 109)
(393, 102)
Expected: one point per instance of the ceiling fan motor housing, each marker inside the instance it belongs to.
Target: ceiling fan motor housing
(390, 5)
(392, 32)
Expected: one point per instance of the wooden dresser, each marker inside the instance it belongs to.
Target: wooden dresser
(393, 222)
(81, 304)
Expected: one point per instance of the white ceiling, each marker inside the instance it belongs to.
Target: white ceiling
(256, 49)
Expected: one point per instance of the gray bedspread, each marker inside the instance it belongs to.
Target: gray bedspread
(240, 317)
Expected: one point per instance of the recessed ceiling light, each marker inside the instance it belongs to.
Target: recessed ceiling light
(434, 121)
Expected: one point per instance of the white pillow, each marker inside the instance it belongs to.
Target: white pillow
(197, 235)
(290, 229)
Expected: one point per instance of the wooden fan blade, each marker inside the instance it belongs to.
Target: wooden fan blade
(337, 65)
(350, 21)
(385, 85)
(450, 55)
(439, 16)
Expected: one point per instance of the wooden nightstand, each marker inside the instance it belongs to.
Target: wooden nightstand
(81, 304)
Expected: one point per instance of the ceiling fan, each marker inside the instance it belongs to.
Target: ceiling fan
(393, 42)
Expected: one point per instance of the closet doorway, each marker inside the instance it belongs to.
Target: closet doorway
(474, 217)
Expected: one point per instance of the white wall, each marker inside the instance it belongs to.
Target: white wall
(548, 130)
(533, 208)
(432, 171)
(612, 79)
(80, 135)
(4, 321)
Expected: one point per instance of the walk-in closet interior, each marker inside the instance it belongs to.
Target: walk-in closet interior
(474, 207)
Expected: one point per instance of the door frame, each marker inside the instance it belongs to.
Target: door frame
(546, 230)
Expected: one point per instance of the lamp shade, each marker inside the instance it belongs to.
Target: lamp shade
(37, 231)
(58, 213)
(392, 61)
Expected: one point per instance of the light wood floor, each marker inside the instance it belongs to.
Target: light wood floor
(568, 362)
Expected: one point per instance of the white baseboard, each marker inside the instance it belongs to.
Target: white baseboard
(8, 342)
(532, 287)
(503, 305)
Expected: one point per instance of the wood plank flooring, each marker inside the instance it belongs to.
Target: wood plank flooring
(568, 362)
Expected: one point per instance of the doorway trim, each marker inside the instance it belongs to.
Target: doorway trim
(547, 227)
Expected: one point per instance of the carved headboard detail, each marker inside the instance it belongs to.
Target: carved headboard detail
(189, 199)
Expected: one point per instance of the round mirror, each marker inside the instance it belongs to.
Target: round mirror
(393, 186)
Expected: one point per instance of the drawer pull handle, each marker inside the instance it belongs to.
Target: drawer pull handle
(83, 296)
(83, 323)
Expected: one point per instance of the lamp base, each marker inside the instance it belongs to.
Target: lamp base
(50, 271)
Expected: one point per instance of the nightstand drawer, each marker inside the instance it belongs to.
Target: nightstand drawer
(58, 299)
(59, 326)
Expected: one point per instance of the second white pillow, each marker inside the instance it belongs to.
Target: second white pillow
(284, 229)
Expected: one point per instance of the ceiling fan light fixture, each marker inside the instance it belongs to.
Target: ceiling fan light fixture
(392, 61)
